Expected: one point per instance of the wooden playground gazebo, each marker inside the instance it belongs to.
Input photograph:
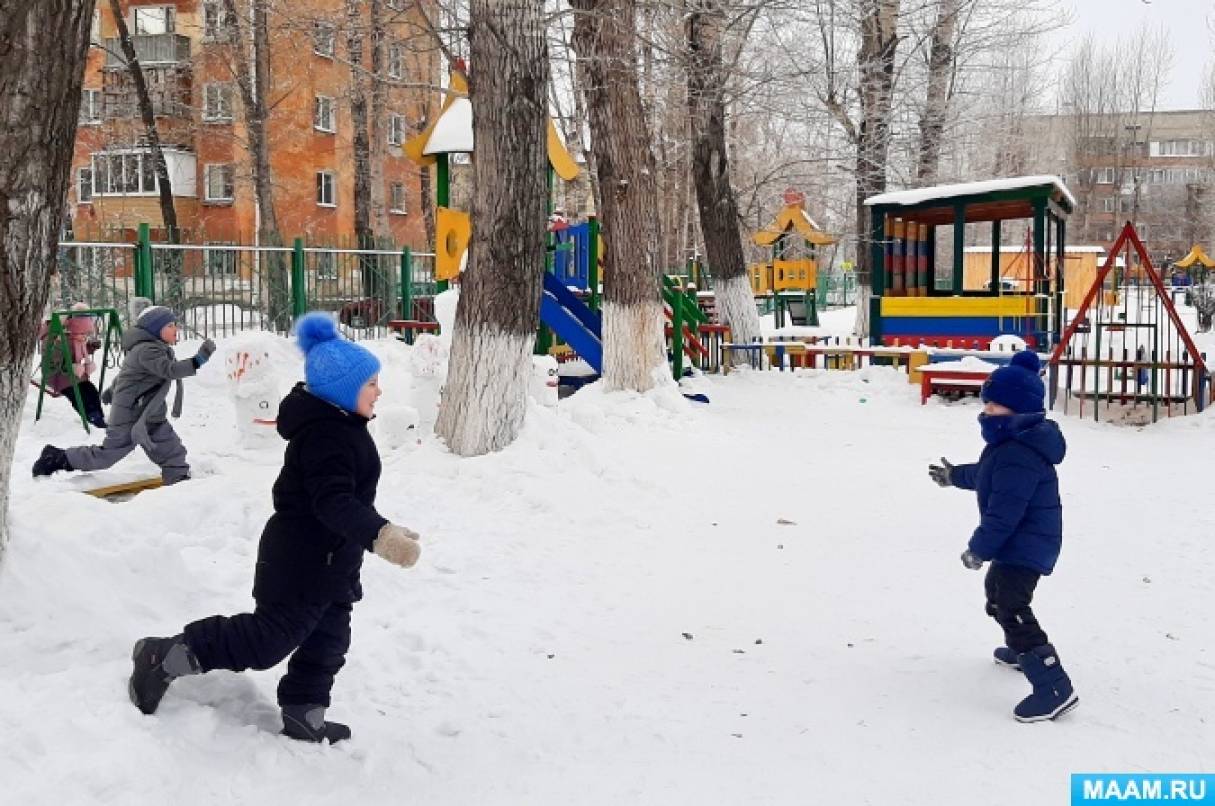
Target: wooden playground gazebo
(915, 302)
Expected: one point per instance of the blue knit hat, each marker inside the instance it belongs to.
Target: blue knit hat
(335, 368)
(1018, 385)
(155, 319)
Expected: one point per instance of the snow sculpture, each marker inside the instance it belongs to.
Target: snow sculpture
(255, 394)
(544, 380)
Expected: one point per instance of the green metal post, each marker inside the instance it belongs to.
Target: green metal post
(877, 272)
(995, 256)
(676, 337)
(299, 281)
(1039, 265)
(959, 247)
(407, 288)
(592, 256)
(442, 197)
(144, 287)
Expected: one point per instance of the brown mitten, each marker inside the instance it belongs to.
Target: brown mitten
(397, 545)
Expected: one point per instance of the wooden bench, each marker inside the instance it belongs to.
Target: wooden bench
(408, 327)
(967, 380)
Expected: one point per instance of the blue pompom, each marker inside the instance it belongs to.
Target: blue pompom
(315, 328)
(1026, 359)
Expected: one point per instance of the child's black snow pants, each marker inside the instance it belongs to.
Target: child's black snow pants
(316, 636)
(1010, 589)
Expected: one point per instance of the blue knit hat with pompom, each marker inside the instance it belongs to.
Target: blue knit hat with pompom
(335, 368)
(1018, 385)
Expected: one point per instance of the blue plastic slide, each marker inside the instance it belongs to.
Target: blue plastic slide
(575, 323)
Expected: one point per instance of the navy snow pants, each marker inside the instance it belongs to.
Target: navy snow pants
(316, 636)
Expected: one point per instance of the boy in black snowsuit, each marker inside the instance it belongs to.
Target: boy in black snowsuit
(311, 550)
(1021, 527)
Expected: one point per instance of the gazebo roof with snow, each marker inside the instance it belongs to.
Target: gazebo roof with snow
(1196, 256)
(991, 200)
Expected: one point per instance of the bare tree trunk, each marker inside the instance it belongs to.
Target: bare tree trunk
(254, 88)
(361, 147)
(167, 210)
(634, 355)
(379, 143)
(940, 90)
(875, 61)
(485, 398)
(719, 224)
(42, 55)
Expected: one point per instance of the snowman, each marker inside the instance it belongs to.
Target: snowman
(543, 388)
(255, 394)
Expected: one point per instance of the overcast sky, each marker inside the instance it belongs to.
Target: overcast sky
(1185, 21)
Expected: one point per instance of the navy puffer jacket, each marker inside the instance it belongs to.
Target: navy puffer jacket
(1018, 491)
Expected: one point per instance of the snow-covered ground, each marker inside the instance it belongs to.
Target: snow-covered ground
(642, 601)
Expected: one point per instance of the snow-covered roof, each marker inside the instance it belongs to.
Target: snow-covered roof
(453, 133)
(1008, 249)
(920, 195)
(811, 221)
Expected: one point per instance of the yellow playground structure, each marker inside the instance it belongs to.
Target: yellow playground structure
(794, 265)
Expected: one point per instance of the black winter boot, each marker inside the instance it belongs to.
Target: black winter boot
(1006, 657)
(1053, 694)
(158, 661)
(307, 724)
(52, 460)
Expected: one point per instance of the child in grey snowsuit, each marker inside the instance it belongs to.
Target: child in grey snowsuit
(138, 409)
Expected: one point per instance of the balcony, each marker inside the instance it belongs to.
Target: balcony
(151, 49)
(168, 86)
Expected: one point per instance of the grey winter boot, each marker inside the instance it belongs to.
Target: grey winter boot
(158, 661)
(307, 724)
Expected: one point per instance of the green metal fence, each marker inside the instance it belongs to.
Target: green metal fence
(222, 288)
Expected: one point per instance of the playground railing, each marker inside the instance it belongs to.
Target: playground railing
(219, 289)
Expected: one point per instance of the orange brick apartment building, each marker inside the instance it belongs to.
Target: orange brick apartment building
(188, 52)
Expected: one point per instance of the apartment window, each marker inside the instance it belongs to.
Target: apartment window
(153, 20)
(90, 106)
(1142, 229)
(1109, 205)
(324, 35)
(396, 202)
(128, 174)
(1104, 176)
(220, 262)
(219, 184)
(326, 266)
(323, 118)
(217, 103)
(396, 61)
(396, 129)
(325, 189)
(218, 24)
(84, 185)
(395, 5)
(95, 28)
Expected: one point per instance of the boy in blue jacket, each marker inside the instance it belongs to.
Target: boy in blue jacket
(1020, 529)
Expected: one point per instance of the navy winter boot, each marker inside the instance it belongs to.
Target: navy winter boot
(307, 724)
(1004, 656)
(158, 661)
(51, 460)
(1053, 695)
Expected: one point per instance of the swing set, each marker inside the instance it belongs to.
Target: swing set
(1127, 355)
(57, 354)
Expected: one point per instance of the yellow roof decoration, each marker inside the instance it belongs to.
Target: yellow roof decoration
(792, 217)
(1196, 255)
(422, 151)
